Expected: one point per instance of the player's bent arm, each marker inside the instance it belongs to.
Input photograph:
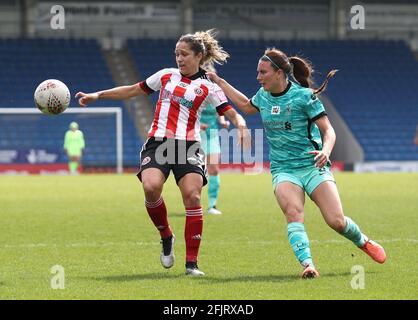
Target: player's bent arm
(237, 120)
(244, 136)
(237, 97)
(222, 122)
(328, 134)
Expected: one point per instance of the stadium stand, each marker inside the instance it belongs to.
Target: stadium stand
(24, 63)
(374, 91)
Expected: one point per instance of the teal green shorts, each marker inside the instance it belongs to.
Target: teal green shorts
(210, 141)
(308, 178)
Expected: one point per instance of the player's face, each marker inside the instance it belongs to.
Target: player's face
(267, 76)
(187, 61)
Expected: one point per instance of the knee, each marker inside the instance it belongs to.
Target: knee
(213, 170)
(152, 190)
(337, 223)
(293, 215)
(192, 198)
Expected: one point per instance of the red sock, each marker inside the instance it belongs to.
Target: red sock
(193, 232)
(158, 214)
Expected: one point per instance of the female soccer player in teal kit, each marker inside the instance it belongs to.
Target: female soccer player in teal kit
(294, 118)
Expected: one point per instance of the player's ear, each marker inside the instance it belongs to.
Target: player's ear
(200, 56)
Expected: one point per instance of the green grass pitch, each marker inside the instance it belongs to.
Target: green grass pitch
(97, 229)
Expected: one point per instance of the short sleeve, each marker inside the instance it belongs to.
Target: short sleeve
(314, 107)
(218, 99)
(216, 96)
(256, 100)
(154, 81)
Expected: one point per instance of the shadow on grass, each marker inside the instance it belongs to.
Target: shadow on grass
(212, 279)
(269, 278)
(253, 278)
(136, 277)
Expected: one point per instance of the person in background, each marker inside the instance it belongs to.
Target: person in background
(211, 146)
(74, 145)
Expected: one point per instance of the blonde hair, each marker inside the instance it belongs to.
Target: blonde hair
(204, 42)
(209, 67)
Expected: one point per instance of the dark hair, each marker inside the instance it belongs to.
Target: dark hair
(300, 68)
(204, 42)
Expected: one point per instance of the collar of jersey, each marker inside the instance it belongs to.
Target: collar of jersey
(198, 74)
(289, 84)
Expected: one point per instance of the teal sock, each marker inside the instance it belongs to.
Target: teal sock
(213, 190)
(352, 232)
(299, 241)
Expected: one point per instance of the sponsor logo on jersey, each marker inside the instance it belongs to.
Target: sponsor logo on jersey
(165, 94)
(275, 110)
(182, 84)
(198, 92)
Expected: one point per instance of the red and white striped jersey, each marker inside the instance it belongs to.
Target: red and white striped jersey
(181, 102)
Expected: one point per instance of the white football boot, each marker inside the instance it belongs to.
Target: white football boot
(167, 254)
(193, 270)
(213, 210)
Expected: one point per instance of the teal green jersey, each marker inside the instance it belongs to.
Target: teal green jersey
(288, 120)
(210, 117)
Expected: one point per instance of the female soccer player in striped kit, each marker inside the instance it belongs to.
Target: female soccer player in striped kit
(293, 118)
(173, 142)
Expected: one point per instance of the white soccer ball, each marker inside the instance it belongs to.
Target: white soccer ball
(52, 97)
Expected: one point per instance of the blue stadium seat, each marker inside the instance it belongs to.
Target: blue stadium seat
(80, 64)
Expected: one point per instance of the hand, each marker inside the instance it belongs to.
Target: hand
(86, 98)
(244, 138)
(214, 77)
(203, 126)
(225, 124)
(321, 158)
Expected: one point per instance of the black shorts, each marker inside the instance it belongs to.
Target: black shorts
(180, 156)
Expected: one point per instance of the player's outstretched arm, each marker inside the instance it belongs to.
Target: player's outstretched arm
(117, 93)
(237, 97)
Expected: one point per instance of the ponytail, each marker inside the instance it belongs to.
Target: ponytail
(302, 72)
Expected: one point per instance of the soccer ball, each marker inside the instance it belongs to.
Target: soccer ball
(52, 97)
